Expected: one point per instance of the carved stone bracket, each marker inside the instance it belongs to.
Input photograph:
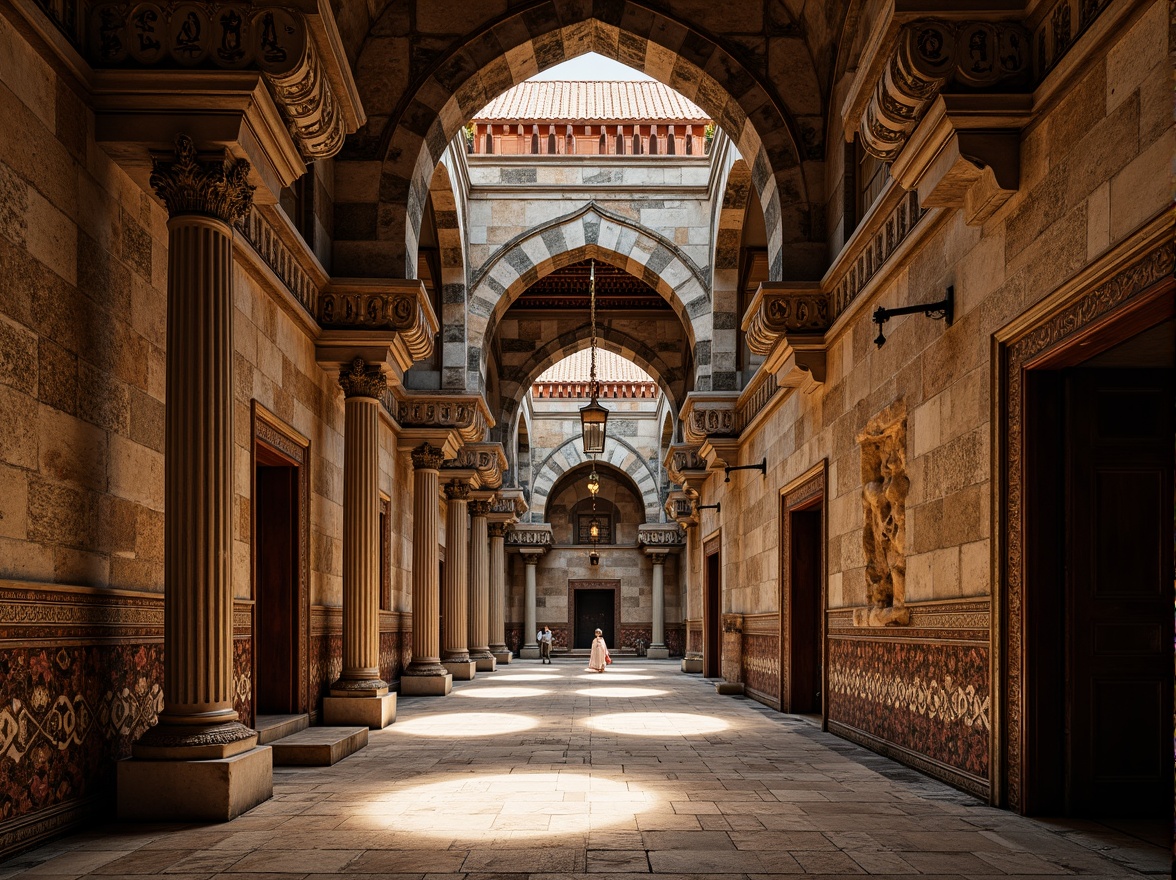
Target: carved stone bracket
(680, 508)
(683, 463)
(786, 323)
(669, 537)
(508, 506)
(299, 55)
(382, 320)
(709, 414)
(489, 460)
(465, 414)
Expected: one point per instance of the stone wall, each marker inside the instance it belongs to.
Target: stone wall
(1094, 169)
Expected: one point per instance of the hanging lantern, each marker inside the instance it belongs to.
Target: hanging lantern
(593, 417)
(594, 530)
(593, 482)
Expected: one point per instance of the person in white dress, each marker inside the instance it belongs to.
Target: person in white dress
(599, 658)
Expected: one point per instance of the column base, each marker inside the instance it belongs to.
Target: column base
(529, 652)
(461, 670)
(486, 664)
(733, 688)
(426, 685)
(692, 664)
(503, 657)
(374, 713)
(657, 652)
(195, 791)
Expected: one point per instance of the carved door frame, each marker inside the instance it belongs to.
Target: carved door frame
(576, 584)
(803, 493)
(279, 439)
(1095, 311)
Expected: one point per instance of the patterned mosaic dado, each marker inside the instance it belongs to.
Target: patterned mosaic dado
(761, 658)
(931, 700)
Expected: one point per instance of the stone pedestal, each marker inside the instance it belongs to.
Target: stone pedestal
(199, 762)
(375, 713)
(497, 535)
(425, 676)
(195, 791)
(479, 587)
(461, 670)
(360, 696)
(692, 664)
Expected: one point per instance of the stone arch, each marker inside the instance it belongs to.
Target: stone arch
(451, 245)
(516, 379)
(591, 232)
(728, 236)
(617, 453)
(777, 140)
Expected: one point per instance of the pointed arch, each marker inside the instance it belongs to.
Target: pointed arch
(617, 453)
(591, 232)
(779, 142)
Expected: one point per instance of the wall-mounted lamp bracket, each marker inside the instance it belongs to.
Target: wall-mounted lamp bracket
(762, 467)
(716, 507)
(944, 309)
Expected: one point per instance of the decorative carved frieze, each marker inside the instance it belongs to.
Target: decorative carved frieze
(279, 42)
(508, 505)
(927, 55)
(268, 244)
(660, 535)
(215, 187)
(884, 490)
(488, 459)
(466, 414)
(362, 380)
(683, 461)
(874, 250)
(529, 535)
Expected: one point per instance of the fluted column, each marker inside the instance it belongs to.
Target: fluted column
(198, 719)
(657, 646)
(530, 646)
(455, 654)
(479, 587)
(425, 674)
(497, 532)
(362, 387)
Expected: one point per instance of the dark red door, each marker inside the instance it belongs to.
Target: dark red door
(1119, 590)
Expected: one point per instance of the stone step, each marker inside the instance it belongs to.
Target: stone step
(318, 746)
(273, 727)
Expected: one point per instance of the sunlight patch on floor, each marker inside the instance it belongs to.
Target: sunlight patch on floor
(464, 724)
(505, 692)
(620, 692)
(657, 723)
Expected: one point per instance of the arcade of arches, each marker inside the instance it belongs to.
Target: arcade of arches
(294, 334)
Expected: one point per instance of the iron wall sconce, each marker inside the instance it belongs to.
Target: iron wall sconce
(762, 467)
(944, 309)
(716, 507)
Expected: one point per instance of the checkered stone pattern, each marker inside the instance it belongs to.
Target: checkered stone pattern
(417, 101)
(528, 347)
(617, 452)
(725, 284)
(595, 233)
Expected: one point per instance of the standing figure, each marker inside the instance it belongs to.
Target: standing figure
(543, 637)
(600, 657)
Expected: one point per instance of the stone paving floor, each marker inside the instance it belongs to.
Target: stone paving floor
(555, 773)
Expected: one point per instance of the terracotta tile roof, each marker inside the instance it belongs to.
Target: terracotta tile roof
(609, 368)
(562, 101)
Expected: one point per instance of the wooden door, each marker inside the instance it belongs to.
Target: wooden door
(1118, 550)
(276, 587)
(594, 610)
(804, 611)
(712, 623)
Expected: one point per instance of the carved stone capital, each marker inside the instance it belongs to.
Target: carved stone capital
(189, 185)
(480, 507)
(427, 457)
(457, 490)
(362, 380)
(658, 557)
(497, 529)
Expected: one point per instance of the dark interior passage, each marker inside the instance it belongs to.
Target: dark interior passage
(594, 610)
(276, 585)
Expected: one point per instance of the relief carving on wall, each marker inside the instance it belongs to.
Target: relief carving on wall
(884, 490)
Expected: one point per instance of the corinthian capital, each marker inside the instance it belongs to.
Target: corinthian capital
(360, 380)
(190, 185)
